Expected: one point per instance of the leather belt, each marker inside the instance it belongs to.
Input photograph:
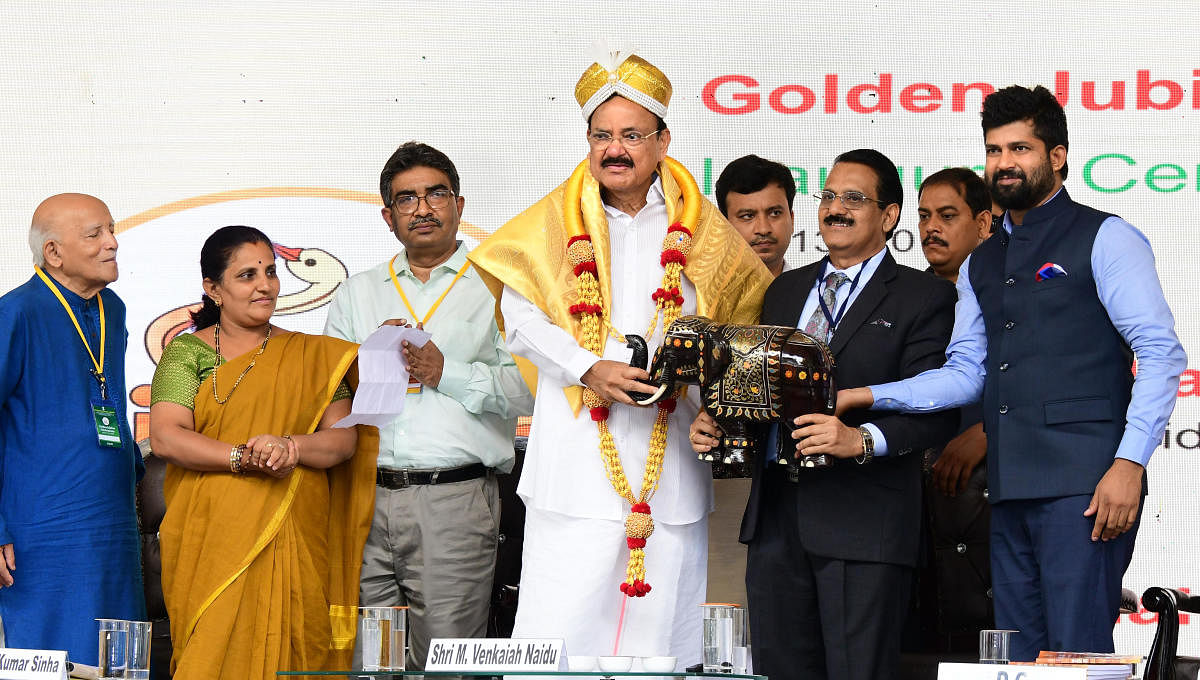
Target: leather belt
(398, 479)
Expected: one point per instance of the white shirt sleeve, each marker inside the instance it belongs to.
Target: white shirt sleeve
(531, 334)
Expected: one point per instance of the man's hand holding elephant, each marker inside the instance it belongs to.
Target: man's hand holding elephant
(704, 433)
(611, 379)
(818, 433)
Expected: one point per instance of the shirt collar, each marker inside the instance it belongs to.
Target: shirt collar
(454, 263)
(654, 196)
(854, 269)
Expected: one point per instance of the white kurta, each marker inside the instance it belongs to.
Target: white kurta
(564, 477)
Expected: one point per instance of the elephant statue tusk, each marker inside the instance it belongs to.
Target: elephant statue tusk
(653, 399)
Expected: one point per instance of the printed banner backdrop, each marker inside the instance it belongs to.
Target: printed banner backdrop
(187, 117)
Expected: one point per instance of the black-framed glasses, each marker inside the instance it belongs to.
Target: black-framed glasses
(406, 204)
(853, 200)
(632, 138)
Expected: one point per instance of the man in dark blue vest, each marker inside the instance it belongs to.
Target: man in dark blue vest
(1051, 312)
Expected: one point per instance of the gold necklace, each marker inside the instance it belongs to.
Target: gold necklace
(217, 343)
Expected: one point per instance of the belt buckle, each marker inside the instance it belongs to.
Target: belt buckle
(403, 473)
(433, 478)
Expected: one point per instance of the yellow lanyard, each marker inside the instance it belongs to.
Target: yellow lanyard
(98, 372)
(411, 311)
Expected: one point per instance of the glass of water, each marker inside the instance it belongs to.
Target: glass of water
(137, 664)
(741, 641)
(717, 642)
(114, 649)
(993, 646)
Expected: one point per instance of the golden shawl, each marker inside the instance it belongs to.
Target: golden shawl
(529, 255)
(261, 574)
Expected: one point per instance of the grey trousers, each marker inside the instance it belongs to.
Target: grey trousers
(432, 548)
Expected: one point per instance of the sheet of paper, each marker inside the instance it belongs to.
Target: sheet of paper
(382, 376)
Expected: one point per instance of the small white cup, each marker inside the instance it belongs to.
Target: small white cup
(581, 664)
(659, 664)
(616, 664)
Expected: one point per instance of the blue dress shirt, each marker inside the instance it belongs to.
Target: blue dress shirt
(1121, 257)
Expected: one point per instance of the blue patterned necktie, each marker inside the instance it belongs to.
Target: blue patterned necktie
(818, 324)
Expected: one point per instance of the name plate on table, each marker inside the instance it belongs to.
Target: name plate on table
(496, 654)
(33, 664)
(1003, 671)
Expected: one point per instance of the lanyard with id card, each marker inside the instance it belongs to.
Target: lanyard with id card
(414, 385)
(108, 425)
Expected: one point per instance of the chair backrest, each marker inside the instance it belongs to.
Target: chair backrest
(1167, 603)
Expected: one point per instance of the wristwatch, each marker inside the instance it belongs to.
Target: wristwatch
(868, 443)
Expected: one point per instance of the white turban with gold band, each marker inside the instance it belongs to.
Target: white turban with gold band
(624, 74)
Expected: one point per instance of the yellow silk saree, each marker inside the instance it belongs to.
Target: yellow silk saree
(261, 574)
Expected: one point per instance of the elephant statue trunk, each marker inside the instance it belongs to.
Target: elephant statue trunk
(640, 353)
(662, 373)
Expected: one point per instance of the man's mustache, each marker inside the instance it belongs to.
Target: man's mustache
(831, 220)
(1008, 174)
(762, 240)
(424, 222)
(620, 160)
(934, 238)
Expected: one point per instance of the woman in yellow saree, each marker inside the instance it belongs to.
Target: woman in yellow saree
(268, 507)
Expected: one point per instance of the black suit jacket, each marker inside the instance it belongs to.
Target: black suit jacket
(898, 327)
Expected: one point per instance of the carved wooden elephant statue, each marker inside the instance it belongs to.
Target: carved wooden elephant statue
(746, 374)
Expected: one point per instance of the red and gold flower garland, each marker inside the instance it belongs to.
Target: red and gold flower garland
(590, 310)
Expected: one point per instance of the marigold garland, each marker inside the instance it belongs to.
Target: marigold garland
(668, 299)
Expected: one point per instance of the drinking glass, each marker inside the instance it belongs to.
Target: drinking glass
(741, 641)
(114, 650)
(137, 656)
(381, 634)
(993, 646)
(718, 637)
(398, 641)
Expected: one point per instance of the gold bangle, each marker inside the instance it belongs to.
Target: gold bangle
(235, 459)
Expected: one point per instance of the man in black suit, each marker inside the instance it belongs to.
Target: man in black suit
(831, 551)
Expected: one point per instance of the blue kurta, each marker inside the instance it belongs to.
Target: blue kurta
(66, 502)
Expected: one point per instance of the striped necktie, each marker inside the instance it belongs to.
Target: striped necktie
(818, 324)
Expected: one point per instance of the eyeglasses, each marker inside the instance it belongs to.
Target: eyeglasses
(853, 200)
(406, 204)
(633, 138)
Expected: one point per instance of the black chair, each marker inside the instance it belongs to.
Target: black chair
(151, 508)
(507, 579)
(1163, 663)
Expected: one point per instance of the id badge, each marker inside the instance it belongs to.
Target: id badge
(414, 386)
(108, 427)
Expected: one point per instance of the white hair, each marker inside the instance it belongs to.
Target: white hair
(39, 235)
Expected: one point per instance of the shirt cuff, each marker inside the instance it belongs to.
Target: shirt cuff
(580, 364)
(888, 397)
(881, 448)
(455, 376)
(1136, 446)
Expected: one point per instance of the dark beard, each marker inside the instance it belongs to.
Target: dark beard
(1030, 192)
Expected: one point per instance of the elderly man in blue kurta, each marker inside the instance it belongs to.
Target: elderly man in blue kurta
(68, 531)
